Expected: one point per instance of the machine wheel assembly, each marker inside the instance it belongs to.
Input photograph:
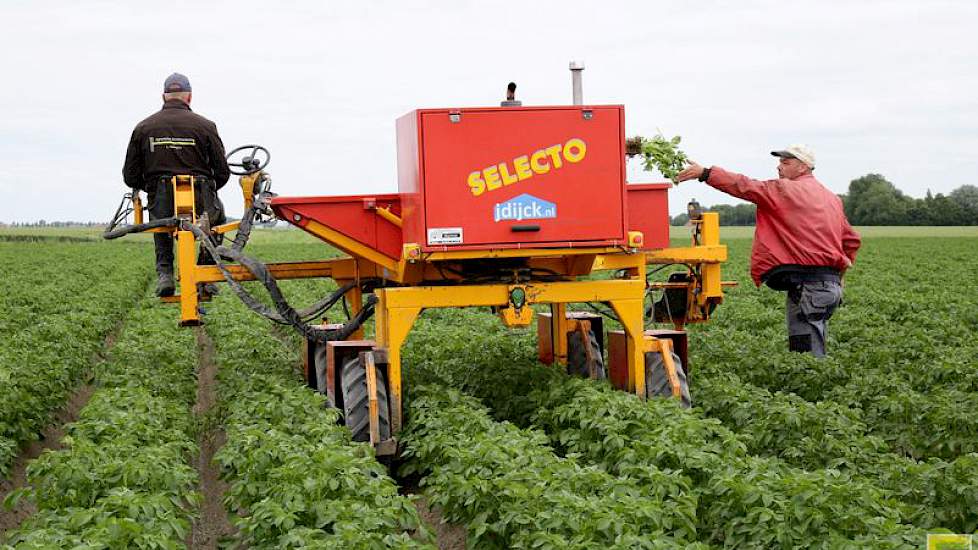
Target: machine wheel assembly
(356, 401)
(657, 381)
(577, 355)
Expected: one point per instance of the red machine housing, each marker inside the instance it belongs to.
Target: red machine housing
(512, 177)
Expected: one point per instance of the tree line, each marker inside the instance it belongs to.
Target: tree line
(873, 200)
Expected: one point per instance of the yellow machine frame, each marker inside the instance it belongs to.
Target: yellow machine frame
(397, 308)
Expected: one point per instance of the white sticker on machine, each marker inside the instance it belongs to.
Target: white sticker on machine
(445, 235)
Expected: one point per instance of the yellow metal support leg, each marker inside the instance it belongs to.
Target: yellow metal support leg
(630, 313)
(187, 264)
(393, 325)
(558, 332)
(371, 369)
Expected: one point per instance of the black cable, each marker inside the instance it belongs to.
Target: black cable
(127, 229)
(244, 229)
(283, 311)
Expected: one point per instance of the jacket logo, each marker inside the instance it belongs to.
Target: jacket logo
(170, 142)
(524, 207)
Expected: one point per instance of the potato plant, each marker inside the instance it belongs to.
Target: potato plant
(124, 478)
(296, 478)
(634, 440)
(510, 490)
(59, 301)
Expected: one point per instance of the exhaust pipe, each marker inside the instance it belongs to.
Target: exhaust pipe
(575, 68)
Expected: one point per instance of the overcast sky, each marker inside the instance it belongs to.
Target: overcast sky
(888, 87)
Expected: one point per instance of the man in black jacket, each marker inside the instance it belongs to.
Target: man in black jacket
(176, 141)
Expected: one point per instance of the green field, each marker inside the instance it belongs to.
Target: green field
(873, 447)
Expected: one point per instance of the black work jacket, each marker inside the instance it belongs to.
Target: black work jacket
(174, 141)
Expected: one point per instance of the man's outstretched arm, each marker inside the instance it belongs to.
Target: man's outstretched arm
(737, 185)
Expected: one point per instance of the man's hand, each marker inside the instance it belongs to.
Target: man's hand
(692, 172)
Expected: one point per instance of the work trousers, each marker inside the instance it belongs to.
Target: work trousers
(161, 206)
(809, 307)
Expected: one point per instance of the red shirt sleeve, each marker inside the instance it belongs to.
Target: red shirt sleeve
(756, 191)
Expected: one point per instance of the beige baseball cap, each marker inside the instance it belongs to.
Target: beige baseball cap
(798, 151)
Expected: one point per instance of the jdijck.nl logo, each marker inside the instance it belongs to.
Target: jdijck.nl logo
(524, 207)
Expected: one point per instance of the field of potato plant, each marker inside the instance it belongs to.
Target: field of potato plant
(118, 429)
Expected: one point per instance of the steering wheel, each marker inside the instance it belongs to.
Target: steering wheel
(250, 163)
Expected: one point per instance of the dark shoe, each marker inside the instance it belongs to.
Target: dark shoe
(207, 290)
(165, 286)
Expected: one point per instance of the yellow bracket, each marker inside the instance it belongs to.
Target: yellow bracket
(183, 197)
(373, 410)
(663, 346)
(247, 183)
(390, 216)
(354, 247)
(226, 227)
(513, 317)
(137, 208)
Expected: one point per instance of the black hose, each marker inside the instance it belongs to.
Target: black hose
(244, 229)
(116, 232)
(284, 313)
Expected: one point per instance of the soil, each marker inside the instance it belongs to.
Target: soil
(213, 524)
(448, 535)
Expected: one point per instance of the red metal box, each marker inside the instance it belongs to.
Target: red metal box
(648, 212)
(512, 177)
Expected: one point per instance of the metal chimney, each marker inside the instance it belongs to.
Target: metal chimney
(575, 68)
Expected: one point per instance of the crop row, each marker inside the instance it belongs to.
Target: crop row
(826, 435)
(59, 302)
(939, 423)
(902, 347)
(296, 480)
(512, 491)
(743, 499)
(124, 478)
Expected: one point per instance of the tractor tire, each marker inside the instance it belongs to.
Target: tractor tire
(356, 401)
(657, 382)
(577, 355)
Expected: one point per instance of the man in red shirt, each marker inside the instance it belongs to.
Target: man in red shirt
(803, 243)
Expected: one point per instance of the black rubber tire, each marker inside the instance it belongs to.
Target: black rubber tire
(356, 403)
(657, 383)
(577, 355)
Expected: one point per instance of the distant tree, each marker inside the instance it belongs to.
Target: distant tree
(872, 200)
(966, 197)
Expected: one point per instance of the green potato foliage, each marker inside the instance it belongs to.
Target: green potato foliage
(512, 491)
(59, 301)
(124, 476)
(659, 153)
(296, 480)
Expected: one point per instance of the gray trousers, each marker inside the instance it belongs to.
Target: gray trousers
(809, 308)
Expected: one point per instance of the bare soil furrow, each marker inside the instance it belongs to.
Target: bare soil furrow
(212, 523)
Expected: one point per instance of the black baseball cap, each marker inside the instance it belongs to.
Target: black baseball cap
(176, 82)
